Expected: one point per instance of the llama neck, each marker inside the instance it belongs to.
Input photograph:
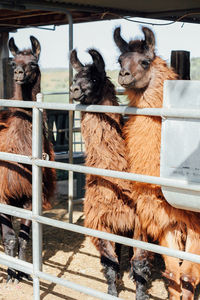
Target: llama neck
(108, 94)
(27, 91)
(152, 95)
(102, 135)
(143, 133)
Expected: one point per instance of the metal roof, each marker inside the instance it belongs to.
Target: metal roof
(20, 13)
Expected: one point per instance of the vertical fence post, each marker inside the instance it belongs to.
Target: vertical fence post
(70, 173)
(37, 196)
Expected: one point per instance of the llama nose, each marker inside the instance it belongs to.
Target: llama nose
(124, 72)
(75, 92)
(75, 88)
(18, 70)
(19, 74)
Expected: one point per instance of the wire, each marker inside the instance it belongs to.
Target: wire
(150, 23)
(28, 26)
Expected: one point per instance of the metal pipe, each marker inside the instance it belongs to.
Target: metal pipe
(25, 267)
(16, 263)
(55, 93)
(120, 239)
(102, 235)
(63, 9)
(71, 121)
(168, 182)
(37, 196)
(125, 110)
(77, 287)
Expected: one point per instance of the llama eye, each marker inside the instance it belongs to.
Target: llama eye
(33, 65)
(94, 80)
(120, 61)
(13, 64)
(145, 63)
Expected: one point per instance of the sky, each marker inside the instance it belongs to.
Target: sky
(99, 35)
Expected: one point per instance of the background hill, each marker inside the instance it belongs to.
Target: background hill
(56, 80)
(195, 68)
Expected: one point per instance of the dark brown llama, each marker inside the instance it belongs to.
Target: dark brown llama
(107, 205)
(16, 137)
(142, 74)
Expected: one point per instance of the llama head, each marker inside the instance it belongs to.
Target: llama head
(25, 62)
(89, 80)
(135, 59)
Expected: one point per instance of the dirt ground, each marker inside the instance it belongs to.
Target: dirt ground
(71, 256)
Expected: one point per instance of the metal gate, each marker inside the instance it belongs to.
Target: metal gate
(35, 268)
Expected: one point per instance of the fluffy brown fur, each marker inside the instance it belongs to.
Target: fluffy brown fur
(171, 227)
(16, 178)
(16, 137)
(107, 206)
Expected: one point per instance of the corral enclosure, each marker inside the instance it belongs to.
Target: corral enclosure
(69, 255)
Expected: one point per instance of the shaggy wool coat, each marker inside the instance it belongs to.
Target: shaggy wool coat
(108, 205)
(143, 139)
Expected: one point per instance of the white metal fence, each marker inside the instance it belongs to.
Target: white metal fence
(35, 268)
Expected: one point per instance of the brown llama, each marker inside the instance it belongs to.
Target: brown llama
(16, 137)
(107, 205)
(142, 74)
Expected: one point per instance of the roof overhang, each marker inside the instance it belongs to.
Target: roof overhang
(21, 14)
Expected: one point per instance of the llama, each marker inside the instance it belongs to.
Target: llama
(107, 205)
(142, 74)
(16, 137)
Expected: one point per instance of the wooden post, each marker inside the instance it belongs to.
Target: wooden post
(180, 61)
(5, 68)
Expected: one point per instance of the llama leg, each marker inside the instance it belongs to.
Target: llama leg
(141, 272)
(110, 263)
(140, 265)
(118, 248)
(23, 239)
(172, 268)
(190, 272)
(9, 242)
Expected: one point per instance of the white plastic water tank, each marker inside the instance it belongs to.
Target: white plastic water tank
(180, 143)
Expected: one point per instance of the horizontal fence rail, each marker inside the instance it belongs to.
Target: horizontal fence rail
(38, 219)
(125, 110)
(183, 184)
(19, 212)
(26, 267)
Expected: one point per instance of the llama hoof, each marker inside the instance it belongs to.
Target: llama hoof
(112, 290)
(9, 280)
(22, 275)
(142, 297)
(12, 275)
(16, 281)
(142, 269)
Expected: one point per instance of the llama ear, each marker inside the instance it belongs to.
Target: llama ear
(97, 60)
(36, 48)
(119, 41)
(12, 47)
(75, 62)
(149, 38)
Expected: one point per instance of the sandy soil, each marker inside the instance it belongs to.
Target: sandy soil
(71, 256)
